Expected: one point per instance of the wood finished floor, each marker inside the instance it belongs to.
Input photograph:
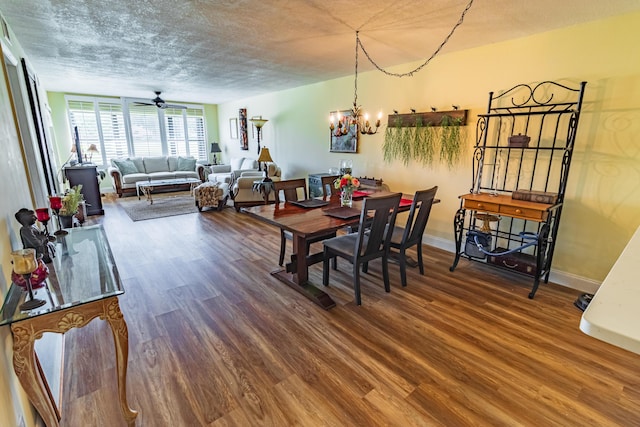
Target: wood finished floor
(214, 340)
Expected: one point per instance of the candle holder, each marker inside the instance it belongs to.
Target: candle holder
(24, 262)
(43, 216)
(56, 204)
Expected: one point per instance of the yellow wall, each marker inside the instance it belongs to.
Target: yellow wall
(603, 199)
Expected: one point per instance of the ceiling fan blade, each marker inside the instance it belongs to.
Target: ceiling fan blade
(143, 103)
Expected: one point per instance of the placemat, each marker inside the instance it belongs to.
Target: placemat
(342, 213)
(310, 203)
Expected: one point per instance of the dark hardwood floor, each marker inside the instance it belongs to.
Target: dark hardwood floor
(216, 341)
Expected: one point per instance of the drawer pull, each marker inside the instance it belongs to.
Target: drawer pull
(518, 211)
(480, 205)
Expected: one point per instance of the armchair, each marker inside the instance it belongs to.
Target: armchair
(229, 173)
(243, 193)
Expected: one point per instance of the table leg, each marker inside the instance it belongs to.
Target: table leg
(30, 377)
(300, 279)
(121, 340)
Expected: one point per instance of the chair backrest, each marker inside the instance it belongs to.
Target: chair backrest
(289, 188)
(377, 214)
(418, 216)
(327, 181)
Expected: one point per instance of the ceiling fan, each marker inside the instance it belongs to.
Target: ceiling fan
(159, 102)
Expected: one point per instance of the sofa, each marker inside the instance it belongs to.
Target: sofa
(125, 172)
(229, 173)
(245, 195)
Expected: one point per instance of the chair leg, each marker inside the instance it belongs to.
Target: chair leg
(385, 274)
(325, 268)
(402, 262)
(356, 283)
(420, 264)
(283, 245)
(365, 267)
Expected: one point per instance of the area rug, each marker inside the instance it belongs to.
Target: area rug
(168, 204)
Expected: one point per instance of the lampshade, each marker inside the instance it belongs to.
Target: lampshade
(92, 149)
(215, 148)
(258, 121)
(265, 156)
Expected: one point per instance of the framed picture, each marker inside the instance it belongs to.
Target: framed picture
(233, 128)
(344, 135)
(244, 137)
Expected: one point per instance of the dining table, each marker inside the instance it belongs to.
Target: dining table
(306, 223)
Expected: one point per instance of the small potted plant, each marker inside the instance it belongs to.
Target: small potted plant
(70, 202)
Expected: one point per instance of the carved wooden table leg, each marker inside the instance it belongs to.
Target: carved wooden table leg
(25, 364)
(121, 341)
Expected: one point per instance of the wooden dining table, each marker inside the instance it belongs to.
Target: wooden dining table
(305, 224)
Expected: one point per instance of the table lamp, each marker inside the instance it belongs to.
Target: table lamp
(264, 157)
(91, 150)
(24, 262)
(215, 148)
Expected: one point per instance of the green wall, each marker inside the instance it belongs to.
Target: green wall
(603, 199)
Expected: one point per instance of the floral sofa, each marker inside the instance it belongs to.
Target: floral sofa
(125, 172)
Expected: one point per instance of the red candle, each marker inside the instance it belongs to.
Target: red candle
(43, 214)
(55, 202)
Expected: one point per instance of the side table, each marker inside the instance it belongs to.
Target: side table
(74, 296)
(264, 187)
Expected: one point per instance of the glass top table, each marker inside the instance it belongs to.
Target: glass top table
(83, 284)
(82, 271)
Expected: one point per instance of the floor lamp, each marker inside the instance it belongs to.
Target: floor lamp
(258, 122)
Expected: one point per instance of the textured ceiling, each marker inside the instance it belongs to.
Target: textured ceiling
(214, 51)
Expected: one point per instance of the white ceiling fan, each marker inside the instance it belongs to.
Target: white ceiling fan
(159, 102)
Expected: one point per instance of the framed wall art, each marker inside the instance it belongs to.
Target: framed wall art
(244, 137)
(233, 128)
(344, 133)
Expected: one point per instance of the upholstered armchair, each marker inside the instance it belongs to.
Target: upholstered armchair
(229, 173)
(243, 193)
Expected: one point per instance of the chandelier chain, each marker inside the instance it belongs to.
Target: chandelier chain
(421, 66)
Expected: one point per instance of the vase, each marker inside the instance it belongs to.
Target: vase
(346, 199)
(66, 221)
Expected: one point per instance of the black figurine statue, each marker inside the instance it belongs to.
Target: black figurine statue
(34, 238)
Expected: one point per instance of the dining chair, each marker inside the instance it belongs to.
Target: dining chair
(411, 235)
(292, 189)
(327, 182)
(369, 243)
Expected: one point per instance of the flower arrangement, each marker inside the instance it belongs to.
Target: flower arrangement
(71, 200)
(347, 183)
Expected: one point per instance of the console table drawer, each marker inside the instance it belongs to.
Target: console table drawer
(476, 205)
(524, 213)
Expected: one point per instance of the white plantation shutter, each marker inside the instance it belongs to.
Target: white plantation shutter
(145, 130)
(114, 135)
(176, 138)
(196, 139)
(83, 116)
(105, 122)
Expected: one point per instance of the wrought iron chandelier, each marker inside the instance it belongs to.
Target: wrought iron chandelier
(360, 120)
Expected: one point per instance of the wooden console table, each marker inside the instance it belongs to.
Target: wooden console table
(83, 284)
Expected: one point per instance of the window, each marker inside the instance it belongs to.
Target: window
(120, 128)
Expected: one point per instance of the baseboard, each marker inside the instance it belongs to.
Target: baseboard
(569, 280)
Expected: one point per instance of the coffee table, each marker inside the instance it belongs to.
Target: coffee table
(147, 187)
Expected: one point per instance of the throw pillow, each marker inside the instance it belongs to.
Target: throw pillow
(236, 163)
(186, 164)
(125, 166)
(156, 164)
